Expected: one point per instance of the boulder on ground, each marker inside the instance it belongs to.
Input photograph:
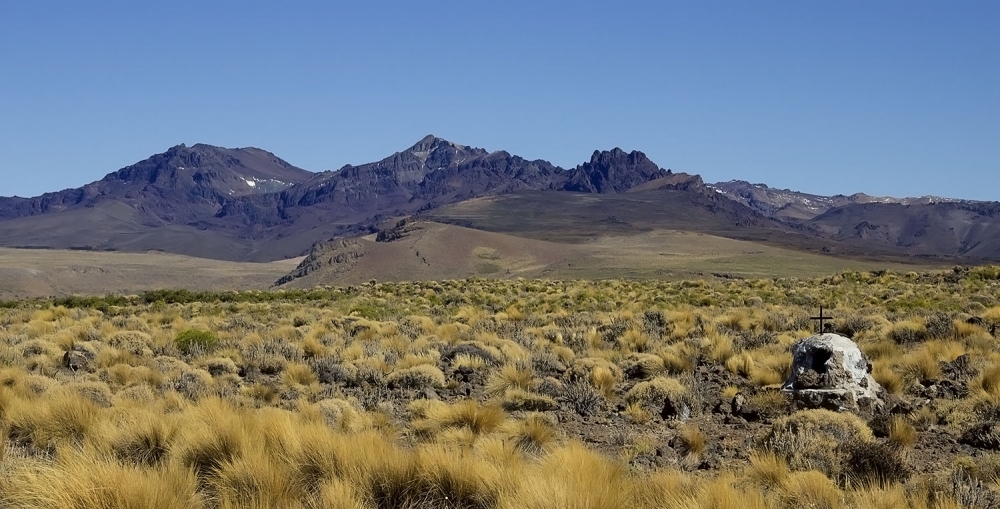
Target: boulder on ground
(830, 371)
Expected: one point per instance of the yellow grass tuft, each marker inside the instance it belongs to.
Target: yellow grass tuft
(510, 377)
(692, 441)
(901, 433)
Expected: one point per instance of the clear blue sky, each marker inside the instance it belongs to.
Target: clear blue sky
(887, 97)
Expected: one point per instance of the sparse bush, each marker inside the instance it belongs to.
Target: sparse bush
(907, 333)
(583, 398)
(872, 462)
(940, 326)
(193, 384)
(136, 343)
(853, 325)
(656, 392)
(193, 340)
(519, 399)
(330, 371)
(809, 439)
(418, 377)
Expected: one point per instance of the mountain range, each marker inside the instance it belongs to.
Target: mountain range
(247, 204)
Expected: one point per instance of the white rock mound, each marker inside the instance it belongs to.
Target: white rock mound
(829, 371)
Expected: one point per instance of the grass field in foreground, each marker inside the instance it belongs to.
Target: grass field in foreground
(481, 394)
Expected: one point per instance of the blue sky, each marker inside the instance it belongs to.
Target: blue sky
(886, 97)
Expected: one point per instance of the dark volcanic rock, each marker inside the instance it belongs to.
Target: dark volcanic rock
(613, 171)
(181, 185)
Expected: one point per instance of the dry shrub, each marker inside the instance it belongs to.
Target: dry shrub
(722, 492)
(654, 392)
(97, 393)
(521, 400)
(639, 366)
(341, 415)
(217, 366)
(908, 332)
(767, 469)
(921, 365)
(473, 362)
(423, 376)
(61, 417)
(770, 402)
(134, 342)
(719, 348)
(874, 463)
(885, 349)
(583, 398)
(634, 340)
(255, 479)
(741, 364)
(738, 320)
(143, 440)
(809, 439)
(677, 361)
(193, 384)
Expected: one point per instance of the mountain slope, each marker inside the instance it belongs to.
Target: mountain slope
(182, 185)
(966, 229)
(795, 205)
(432, 173)
(246, 204)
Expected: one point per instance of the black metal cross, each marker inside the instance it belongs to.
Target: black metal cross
(821, 319)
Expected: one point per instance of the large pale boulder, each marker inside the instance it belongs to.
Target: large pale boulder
(830, 371)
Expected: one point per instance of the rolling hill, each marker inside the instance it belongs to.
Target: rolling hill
(421, 250)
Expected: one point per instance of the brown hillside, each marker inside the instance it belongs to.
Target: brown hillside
(423, 250)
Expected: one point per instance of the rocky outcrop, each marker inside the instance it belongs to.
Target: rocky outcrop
(613, 171)
(830, 371)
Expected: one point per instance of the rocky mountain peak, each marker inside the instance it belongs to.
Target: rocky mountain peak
(613, 171)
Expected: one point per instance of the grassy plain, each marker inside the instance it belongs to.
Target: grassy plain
(49, 272)
(498, 394)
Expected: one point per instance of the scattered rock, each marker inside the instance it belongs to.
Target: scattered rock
(829, 371)
(77, 360)
(676, 408)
